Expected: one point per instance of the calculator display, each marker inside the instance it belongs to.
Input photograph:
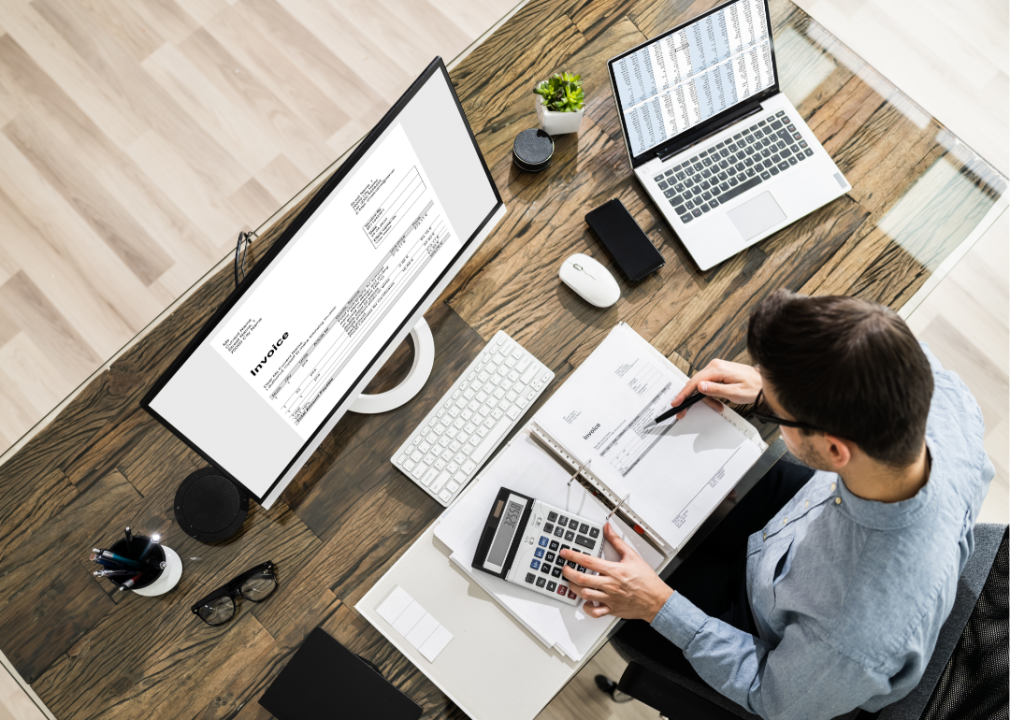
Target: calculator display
(507, 529)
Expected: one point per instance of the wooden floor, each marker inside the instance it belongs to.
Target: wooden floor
(138, 138)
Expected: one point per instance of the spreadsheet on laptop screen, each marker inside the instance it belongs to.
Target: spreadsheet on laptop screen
(686, 77)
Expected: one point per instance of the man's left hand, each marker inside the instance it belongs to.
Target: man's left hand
(628, 589)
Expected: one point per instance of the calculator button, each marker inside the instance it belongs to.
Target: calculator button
(571, 595)
(559, 531)
(540, 553)
(554, 544)
(564, 547)
(572, 563)
(535, 564)
(556, 572)
(545, 569)
(548, 528)
(530, 578)
(551, 585)
(541, 582)
(583, 528)
(562, 590)
(549, 558)
(559, 561)
(569, 536)
(543, 541)
(594, 532)
(585, 542)
(580, 568)
(552, 516)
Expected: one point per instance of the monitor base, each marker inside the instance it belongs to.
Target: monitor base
(424, 360)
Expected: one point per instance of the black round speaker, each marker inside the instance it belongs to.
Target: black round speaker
(532, 150)
(209, 506)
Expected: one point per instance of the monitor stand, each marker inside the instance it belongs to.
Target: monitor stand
(424, 359)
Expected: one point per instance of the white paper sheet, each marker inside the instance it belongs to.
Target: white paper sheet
(417, 625)
(676, 473)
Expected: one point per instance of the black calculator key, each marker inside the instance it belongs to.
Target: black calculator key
(583, 528)
(585, 542)
(572, 564)
(564, 547)
(552, 516)
(559, 531)
(548, 528)
(559, 561)
(556, 572)
(531, 578)
(554, 544)
(551, 585)
(563, 521)
(545, 569)
(541, 582)
(549, 558)
(580, 568)
(569, 536)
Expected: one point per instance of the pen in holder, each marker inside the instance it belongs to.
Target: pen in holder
(140, 563)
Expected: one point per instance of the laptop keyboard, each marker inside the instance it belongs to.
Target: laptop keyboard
(734, 166)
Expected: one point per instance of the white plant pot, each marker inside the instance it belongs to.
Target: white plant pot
(558, 123)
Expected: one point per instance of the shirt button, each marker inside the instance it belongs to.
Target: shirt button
(765, 536)
(838, 501)
(785, 520)
(832, 487)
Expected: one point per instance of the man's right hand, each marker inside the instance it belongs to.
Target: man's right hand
(731, 381)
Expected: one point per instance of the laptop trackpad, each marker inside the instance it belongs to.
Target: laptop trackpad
(757, 215)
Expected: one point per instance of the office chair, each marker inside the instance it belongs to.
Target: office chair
(966, 676)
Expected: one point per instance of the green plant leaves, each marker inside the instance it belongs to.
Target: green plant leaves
(562, 92)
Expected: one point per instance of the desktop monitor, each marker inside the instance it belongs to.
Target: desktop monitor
(266, 379)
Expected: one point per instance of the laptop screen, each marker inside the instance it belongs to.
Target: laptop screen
(686, 76)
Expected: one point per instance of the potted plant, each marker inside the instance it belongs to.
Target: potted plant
(559, 103)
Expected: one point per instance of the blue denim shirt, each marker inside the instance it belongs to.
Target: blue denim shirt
(848, 594)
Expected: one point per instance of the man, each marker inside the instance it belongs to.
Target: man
(836, 601)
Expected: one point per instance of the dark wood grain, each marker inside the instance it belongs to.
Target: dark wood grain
(349, 515)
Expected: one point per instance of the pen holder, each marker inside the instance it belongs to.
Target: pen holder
(155, 579)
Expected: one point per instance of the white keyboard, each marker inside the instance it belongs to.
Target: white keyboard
(487, 400)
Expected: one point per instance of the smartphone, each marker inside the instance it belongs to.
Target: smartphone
(629, 247)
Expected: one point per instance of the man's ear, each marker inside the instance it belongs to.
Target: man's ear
(836, 450)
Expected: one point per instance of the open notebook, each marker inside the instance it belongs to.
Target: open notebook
(666, 479)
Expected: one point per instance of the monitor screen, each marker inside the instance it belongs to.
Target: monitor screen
(350, 276)
(684, 77)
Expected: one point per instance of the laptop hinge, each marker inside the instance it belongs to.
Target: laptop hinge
(702, 134)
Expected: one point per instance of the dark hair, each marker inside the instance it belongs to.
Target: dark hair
(848, 366)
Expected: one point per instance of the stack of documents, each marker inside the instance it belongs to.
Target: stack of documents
(670, 477)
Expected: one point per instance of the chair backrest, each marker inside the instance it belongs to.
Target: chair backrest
(967, 675)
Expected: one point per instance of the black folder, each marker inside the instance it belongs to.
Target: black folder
(326, 680)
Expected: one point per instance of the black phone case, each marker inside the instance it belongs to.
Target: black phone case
(628, 246)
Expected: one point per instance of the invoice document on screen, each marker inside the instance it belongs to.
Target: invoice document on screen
(355, 269)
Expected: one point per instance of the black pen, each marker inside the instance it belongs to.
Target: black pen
(697, 397)
(129, 538)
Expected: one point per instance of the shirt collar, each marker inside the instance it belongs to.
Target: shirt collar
(887, 516)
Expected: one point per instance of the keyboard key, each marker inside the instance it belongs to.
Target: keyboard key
(740, 189)
(549, 557)
(556, 572)
(569, 536)
(563, 521)
(808, 152)
(541, 582)
(662, 186)
(559, 560)
(686, 218)
(551, 585)
(713, 203)
(571, 595)
(554, 544)
(765, 175)
(696, 212)
(585, 542)
(543, 542)
(558, 532)
(545, 569)
(535, 564)
(774, 170)
(671, 172)
(531, 578)
(539, 553)
(780, 113)
(783, 166)
(548, 528)
(594, 532)
(776, 125)
(445, 495)
(792, 161)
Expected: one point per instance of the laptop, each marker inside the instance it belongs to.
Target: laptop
(718, 147)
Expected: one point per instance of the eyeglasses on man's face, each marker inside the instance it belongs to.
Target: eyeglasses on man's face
(775, 419)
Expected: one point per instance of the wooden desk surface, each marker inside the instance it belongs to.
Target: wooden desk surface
(104, 463)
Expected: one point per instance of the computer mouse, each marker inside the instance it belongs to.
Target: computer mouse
(590, 280)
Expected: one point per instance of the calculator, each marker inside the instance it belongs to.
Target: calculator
(522, 542)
